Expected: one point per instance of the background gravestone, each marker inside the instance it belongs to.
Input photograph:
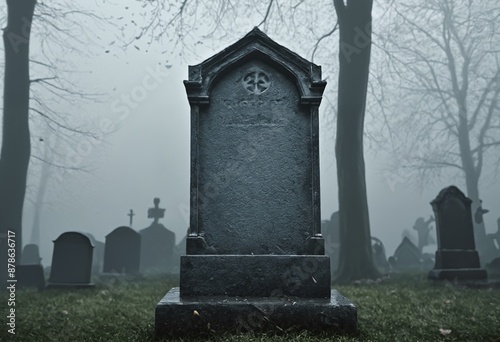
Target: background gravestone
(456, 257)
(331, 233)
(255, 235)
(157, 243)
(379, 257)
(71, 261)
(30, 273)
(98, 253)
(31, 255)
(122, 251)
(407, 257)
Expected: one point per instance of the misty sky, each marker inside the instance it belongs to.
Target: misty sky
(148, 156)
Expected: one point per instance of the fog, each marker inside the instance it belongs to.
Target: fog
(148, 156)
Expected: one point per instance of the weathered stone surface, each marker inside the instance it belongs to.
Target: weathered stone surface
(178, 316)
(305, 276)
(254, 150)
(255, 166)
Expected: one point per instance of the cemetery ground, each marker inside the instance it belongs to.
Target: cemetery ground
(399, 308)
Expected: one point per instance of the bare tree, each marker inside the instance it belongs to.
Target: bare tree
(444, 63)
(356, 261)
(15, 152)
(24, 96)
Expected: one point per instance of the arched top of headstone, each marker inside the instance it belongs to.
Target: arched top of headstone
(74, 236)
(123, 230)
(255, 45)
(450, 192)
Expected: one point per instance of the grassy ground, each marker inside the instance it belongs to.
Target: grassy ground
(398, 309)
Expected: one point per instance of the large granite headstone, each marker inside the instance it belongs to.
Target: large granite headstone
(255, 254)
(456, 257)
(71, 261)
(122, 251)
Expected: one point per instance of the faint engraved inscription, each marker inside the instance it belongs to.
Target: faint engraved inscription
(256, 82)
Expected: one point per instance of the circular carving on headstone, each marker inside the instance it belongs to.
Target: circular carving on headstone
(256, 82)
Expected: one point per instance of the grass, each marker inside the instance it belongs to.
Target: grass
(403, 308)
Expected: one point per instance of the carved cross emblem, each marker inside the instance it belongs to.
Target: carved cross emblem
(256, 82)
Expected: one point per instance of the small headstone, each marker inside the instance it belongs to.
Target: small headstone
(331, 234)
(122, 251)
(157, 244)
(494, 267)
(407, 257)
(31, 255)
(379, 257)
(456, 257)
(255, 255)
(179, 250)
(423, 229)
(496, 236)
(98, 253)
(30, 275)
(478, 216)
(71, 261)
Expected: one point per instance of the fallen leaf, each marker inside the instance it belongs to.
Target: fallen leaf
(444, 332)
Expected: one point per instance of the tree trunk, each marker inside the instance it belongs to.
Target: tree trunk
(356, 261)
(15, 152)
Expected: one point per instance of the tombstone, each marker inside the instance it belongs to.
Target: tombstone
(495, 237)
(179, 250)
(98, 253)
(493, 268)
(331, 233)
(423, 229)
(157, 244)
(31, 255)
(254, 254)
(30, 275)
(456, 256)
(407, 257)
(379, 257)
(71, 261)
(122, 251)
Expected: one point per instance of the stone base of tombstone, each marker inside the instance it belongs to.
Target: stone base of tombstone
(459, 274)
(218, 293)
(459, 265)
(176, 316)
(306, 276)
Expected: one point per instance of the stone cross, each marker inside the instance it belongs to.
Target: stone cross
(131, 215)
(156, 213)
